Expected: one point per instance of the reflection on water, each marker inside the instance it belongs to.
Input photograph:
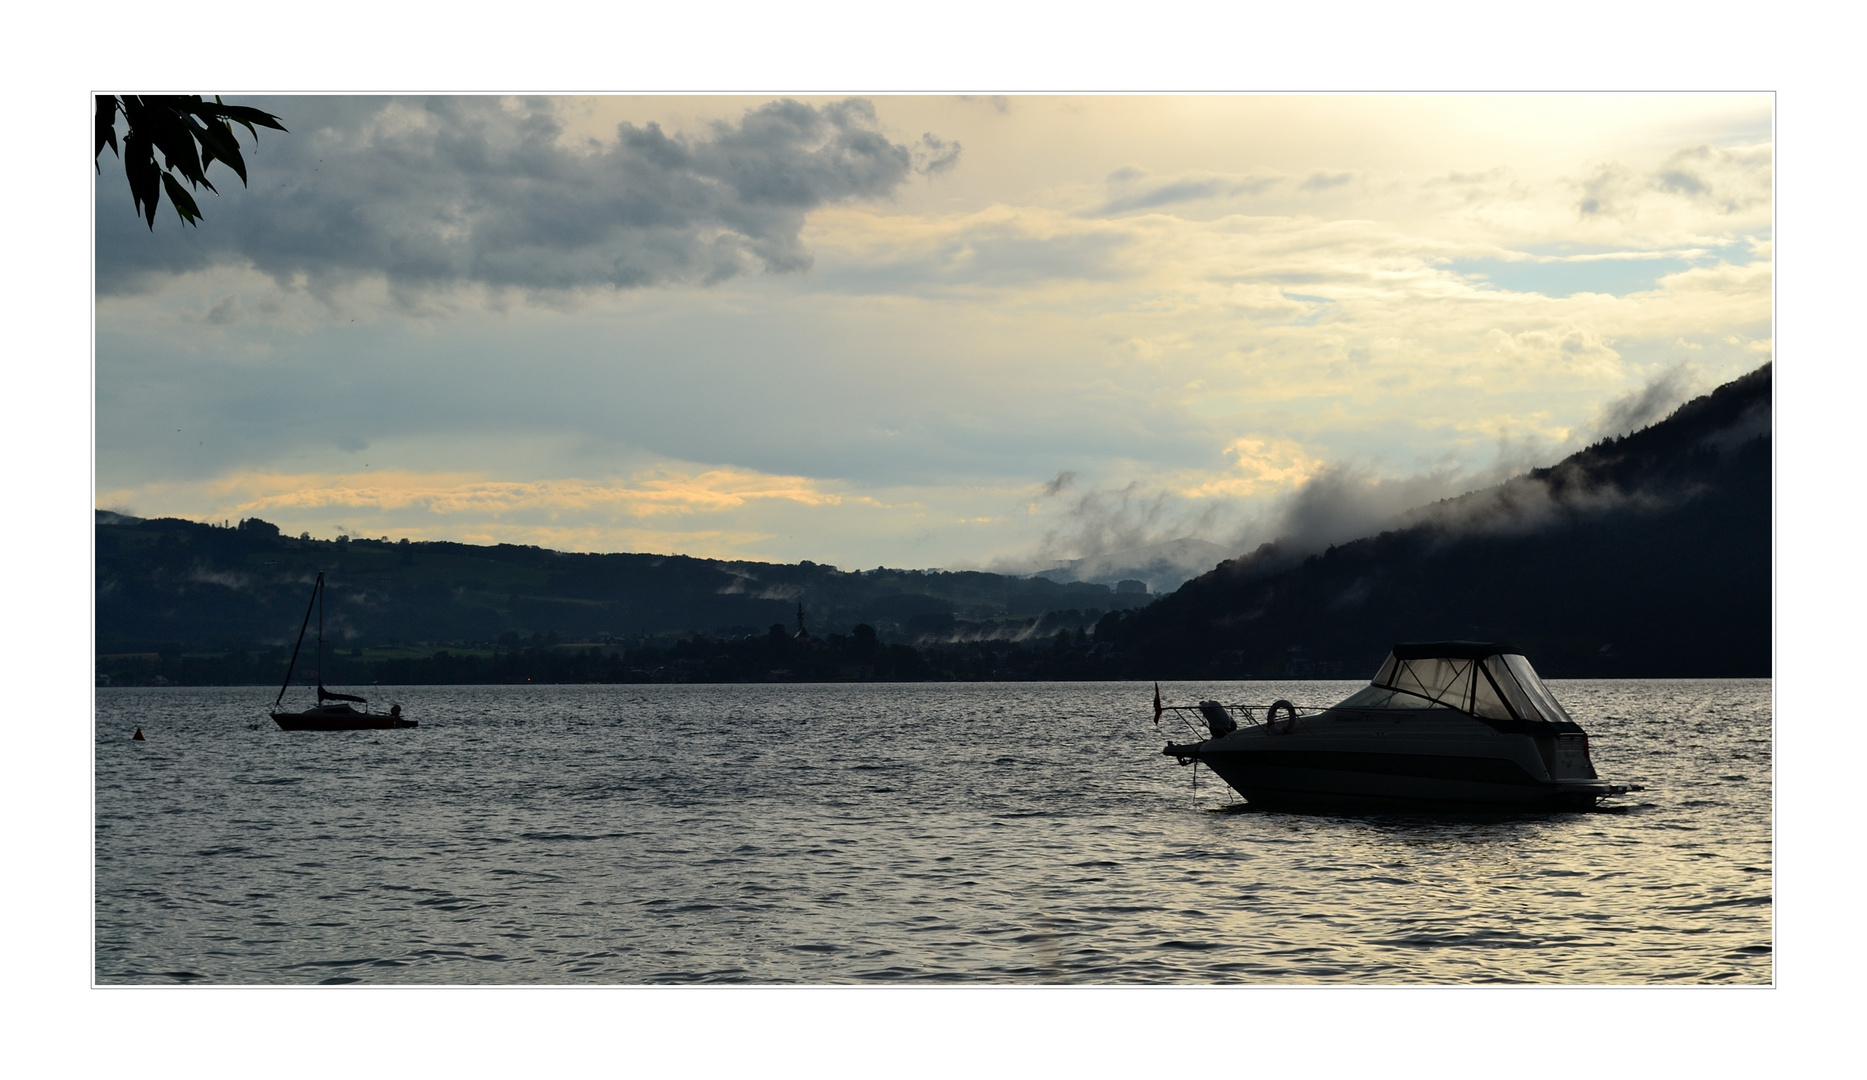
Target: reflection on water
(935, 833)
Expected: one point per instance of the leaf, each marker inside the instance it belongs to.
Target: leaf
(139, 168)
(184, 202)
(174, 136)
(191, 135)
(217, 144)
(247, 115)
(106, 124)
(213, 136)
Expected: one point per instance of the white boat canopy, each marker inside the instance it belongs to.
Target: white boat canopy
(1491, 681)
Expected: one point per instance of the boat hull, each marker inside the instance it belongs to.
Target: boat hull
(1431, 758)
(1325, 779)
(354, 722)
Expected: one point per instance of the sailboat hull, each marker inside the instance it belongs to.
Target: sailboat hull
(356, 721)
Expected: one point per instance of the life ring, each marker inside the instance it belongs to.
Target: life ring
(1270, 718)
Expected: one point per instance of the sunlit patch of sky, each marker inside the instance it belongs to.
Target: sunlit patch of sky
(1737, 252)
(1615, 275)
(1562, 278)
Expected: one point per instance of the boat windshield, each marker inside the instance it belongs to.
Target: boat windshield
(1526, 676)
(1502, 686)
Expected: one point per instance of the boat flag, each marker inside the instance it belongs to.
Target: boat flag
(1157, 708)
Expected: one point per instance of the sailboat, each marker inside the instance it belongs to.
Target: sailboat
(322, 717)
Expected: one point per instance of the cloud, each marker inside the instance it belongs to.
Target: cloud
(1167, 535)
(1343, 502)
(1323, 180)
(1579, 349)
(987, 253)
(449, 191)
(226, 312)
(1724, 180)
(1262, 465)
(934, 155)
(1162, 533)
(1135, 530)
(1603, 190)
(1720, 180)
(411, 496)
(1063, 479)
(1102, 520)
(661, 491)
(1128, 191)
(1664, 392)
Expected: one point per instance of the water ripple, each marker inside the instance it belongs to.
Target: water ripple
(893, 834)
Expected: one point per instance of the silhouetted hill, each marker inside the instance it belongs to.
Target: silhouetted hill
(171, 586)
(1647, 555)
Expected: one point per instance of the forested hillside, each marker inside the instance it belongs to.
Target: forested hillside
(169, 584)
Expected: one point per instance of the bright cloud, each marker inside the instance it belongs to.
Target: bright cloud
(662, 493)
(1261, 467)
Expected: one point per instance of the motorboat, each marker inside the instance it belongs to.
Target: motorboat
(323, 717)
(1443, 723)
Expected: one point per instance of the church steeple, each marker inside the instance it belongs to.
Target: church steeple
(801, 632)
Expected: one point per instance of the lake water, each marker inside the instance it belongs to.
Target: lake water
(971, 833)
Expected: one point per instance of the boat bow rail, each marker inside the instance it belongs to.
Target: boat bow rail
(1278, 717)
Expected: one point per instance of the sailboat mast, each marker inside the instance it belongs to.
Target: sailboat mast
(317, 591)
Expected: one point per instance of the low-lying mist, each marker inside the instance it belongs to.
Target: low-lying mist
(1159, 536)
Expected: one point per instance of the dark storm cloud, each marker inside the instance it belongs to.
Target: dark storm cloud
(443, 191)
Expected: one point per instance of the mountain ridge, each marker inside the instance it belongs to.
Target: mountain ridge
(179, 585)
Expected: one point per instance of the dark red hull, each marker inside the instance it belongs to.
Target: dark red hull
(354, 722)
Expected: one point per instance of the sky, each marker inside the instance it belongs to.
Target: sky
(994, 332)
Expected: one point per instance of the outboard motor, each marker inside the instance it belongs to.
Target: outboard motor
(1218, 721)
